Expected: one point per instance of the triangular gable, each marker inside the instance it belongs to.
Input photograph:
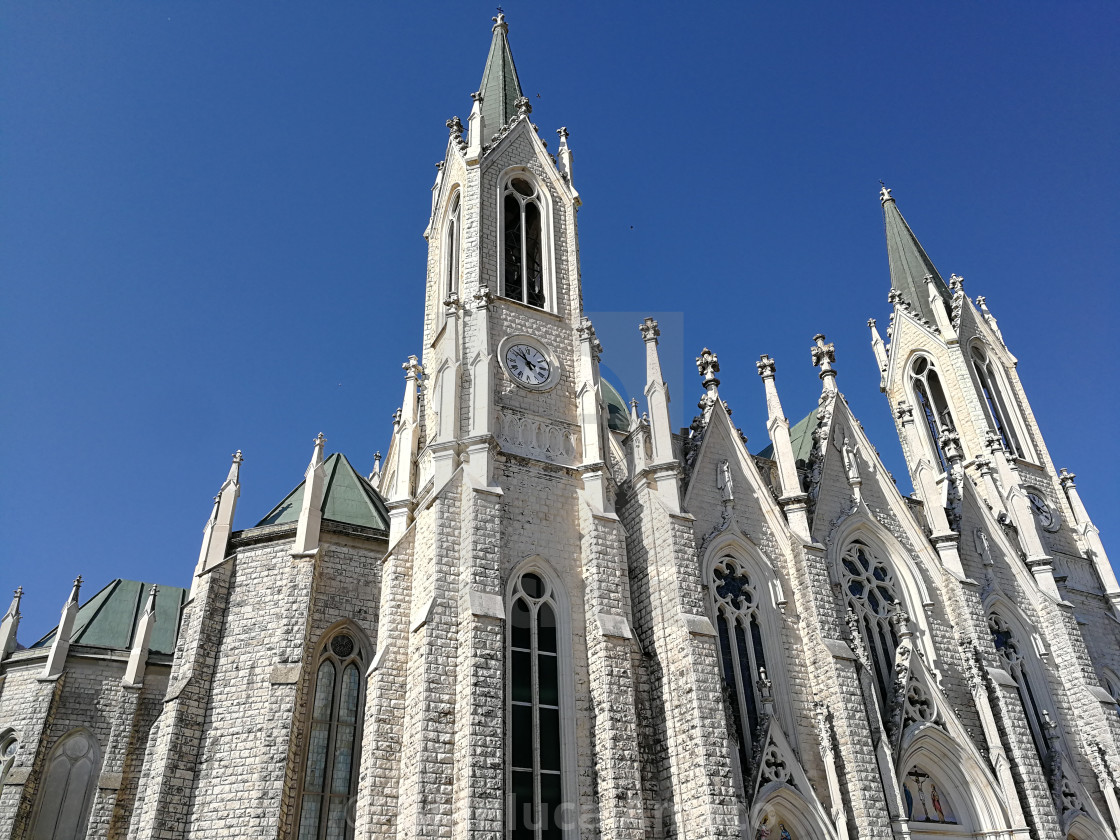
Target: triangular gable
(722, 440)
(776, 771)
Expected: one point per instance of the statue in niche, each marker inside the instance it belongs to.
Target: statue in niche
(724, 482)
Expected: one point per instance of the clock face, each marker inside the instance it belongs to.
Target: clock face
(528, 365)
(1047, 516)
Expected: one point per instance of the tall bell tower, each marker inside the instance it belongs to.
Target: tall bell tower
(953, 382)
(505, 670)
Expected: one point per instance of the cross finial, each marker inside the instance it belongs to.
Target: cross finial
(884, 193)
(765, 366)
(707, 363)
(649, 329)
(500, 20)
(237, 459)
(823, 355)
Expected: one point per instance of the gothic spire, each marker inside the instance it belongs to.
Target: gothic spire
(909, 262)
(500, 88)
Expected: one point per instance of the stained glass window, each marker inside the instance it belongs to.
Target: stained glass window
(523, 243)
(535, 755)
(870, 589)
(334, 737)
(741, 656)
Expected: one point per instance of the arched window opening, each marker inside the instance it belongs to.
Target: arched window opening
(930, 397)
(1015, 664)
(736, 607)
(330, 770)
(871, 596)
(523, 243)
(1112, 686)
(69, 780)
(451, 246)
(995, 405)
(535, 752)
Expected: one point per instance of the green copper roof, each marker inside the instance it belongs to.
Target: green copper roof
(109, 618)
(801, 438)
(909, 262)
(618, 418)
(500, 88)
(347, 497)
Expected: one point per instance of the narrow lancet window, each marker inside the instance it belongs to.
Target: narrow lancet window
(67, 789)
(931, 399)
(330, 767)
(451, 248)
(523, 271)
(736, 607)
(1014, 662)
(535, 755)
(873, 601)
(995, 405)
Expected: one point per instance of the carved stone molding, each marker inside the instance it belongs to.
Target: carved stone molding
(535, 438)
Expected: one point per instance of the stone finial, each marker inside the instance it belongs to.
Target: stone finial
(412, 368)
(524, 106)
(649, 329)
(766, 367)
(707, 364)
(1066, 478)
(634, 421)
(994, 443)
(894, 296)
(951, 445)
(499, 22)
(375, 475)
(455, 127)
(586, 332)
(396, 418)
(60, 647)
(956, 283)
(10, 625)
(884, 193)
(824, 356)
(482, 297)
(317, 455)
(904, 412)
(877, 346)
(564, 155)
(138, 655)
(310, 512)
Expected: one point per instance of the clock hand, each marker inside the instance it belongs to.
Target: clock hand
(525, 359)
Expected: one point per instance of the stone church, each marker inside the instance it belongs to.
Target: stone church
(549, 615)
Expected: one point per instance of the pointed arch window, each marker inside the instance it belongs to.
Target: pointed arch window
(536, 765)
(523, 255)
(873, 599)
(1015, 663)
(330, 769)
(742, 658)
(69, 781)
(930, 397)
(452, 247)
(996, 405)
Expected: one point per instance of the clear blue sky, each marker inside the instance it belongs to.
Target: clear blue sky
(211, 217)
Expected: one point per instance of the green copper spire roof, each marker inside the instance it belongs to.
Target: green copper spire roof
(908, 261)
(500, 88)
(347, 497)
(109, 618)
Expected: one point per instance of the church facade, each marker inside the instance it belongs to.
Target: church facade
(548, 615)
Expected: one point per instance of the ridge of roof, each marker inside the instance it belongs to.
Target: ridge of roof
(347, 497)
(909, 263)
(500, 88)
